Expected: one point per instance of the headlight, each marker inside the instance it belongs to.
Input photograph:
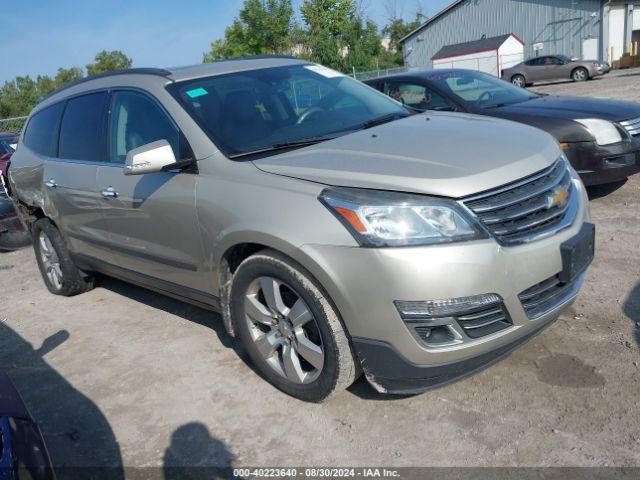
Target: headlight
(603, 131)
(379, 219)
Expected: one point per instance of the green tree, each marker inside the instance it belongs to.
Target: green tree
(395, 30)
(19, 96)
(330, 16)
(109, 61)
(262, 27)
(67, 75)
(363, 45)
(329, 28)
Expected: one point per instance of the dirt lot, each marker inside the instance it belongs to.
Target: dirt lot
(123, 376)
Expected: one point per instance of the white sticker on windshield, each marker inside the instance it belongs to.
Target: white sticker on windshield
(324, 71)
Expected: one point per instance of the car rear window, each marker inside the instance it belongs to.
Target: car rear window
(82, 129)
(41, 134)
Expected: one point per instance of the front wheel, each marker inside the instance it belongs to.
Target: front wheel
(580, 75)
(289, 328)
(519, 81)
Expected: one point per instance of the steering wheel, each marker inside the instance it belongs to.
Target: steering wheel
(307, 113)
(485, 97)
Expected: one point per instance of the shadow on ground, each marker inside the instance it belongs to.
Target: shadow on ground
(212, 320)
(194, 453)
(191, 313)
(632, 309)
(77, 433)
(629, 75)
(598, 191)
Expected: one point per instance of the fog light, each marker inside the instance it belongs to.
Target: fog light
(445, 308)
(442, 323)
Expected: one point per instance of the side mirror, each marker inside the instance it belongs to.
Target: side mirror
(150, 158)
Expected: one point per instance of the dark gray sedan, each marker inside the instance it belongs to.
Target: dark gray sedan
(554, 67)
(601, 138)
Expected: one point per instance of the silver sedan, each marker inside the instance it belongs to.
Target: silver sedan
(554, 67)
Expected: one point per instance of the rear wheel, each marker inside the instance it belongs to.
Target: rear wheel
(289, 327)
(580, 74)
(519, 81)
(59, 272)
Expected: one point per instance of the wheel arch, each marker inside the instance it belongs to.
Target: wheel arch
(239, 246)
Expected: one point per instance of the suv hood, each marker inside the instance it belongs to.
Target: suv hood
(443, 154)
(573, 108)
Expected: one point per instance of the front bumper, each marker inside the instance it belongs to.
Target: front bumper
(597, 165)
(389, 372)
(364, 283)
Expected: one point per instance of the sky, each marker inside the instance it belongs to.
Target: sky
(39, 36)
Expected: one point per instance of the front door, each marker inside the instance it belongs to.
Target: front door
(150, 219)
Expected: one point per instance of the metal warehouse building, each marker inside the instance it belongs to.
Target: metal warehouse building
(588, 29)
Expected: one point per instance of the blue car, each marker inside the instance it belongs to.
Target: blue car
(23, 453)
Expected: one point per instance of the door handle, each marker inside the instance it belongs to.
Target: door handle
(51, 183)
(109, 192)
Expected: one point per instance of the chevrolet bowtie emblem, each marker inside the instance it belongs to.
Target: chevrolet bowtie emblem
(558, 198)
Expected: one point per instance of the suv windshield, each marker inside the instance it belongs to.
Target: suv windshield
(265, 110)
(480, 90)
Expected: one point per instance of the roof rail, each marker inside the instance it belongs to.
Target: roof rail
(260, 57)
(140, 71)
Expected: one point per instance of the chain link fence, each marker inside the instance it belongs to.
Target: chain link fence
(491, 64)
(379, 72)
(14, 124)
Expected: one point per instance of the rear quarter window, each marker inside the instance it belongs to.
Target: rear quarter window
(41, 134)
(82, 132)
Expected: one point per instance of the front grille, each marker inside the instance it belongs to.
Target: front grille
(545, 296)
(530, 208)
(632, 126)
(485, 322)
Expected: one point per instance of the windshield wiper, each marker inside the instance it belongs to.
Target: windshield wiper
(497, 105)
(284, 146)
(382, 120)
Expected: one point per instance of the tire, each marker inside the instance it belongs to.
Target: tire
(264, 329)
(580, 74)
(59, 272)
(519, 81)
(14, 240)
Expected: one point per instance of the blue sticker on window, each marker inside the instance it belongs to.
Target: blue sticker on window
(197, 92)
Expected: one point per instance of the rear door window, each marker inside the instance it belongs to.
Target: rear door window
(82, 133)
(41, 134)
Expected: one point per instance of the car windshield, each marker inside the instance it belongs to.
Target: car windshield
(266, 110)
(480, 89)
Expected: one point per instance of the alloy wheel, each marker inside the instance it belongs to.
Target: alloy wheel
(284, 330)
(579, 75)
(50, 261)
(518, 81)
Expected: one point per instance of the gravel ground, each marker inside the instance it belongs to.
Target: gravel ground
(122, 376)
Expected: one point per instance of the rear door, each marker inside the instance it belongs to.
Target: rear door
(70, 176)
(151, 219)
